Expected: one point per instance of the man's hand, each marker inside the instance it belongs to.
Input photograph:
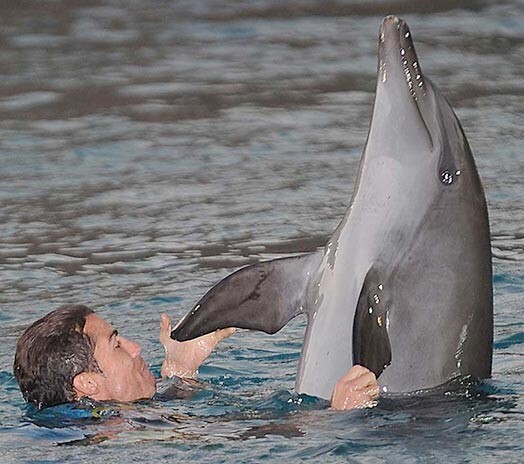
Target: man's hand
(184, 358)
(355, 390)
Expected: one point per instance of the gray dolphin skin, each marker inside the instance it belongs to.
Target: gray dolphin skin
(404, 284)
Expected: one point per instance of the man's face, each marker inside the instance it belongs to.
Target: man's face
(124, 376)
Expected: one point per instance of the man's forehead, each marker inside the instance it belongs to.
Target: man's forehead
(96, 326)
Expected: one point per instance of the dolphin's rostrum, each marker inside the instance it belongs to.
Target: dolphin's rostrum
(404, 285)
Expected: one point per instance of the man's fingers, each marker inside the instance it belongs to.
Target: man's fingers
(366, 380)
(165, 322)
(165, 329)
(210, 340)
(355, 389)
(223, 333)
(362, 383)
(355, 372)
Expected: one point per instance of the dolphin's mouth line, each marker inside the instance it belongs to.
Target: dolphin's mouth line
(409, 63)
(430, 137)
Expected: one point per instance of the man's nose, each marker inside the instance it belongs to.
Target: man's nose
(130, 346)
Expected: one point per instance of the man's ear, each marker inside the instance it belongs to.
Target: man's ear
(86, 384)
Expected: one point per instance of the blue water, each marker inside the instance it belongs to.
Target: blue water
(147, 149)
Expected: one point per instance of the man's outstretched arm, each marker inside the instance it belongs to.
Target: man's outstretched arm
(355, 390)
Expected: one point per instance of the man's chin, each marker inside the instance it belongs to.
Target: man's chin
(150, 382)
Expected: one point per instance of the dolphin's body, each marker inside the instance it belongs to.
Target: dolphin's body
(404, 285)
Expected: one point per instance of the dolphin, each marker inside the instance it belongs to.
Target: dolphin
(404, 284)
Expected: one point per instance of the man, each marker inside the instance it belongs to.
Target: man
(72, 353)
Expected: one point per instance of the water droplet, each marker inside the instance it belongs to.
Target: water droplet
(402, 51)
(379, 321)
(370, 310)
(406, 35)
(446, 178)
(383, 71)
(380, 287)
(420, 84)
(385, 389)
(405, 62)
(195, 309)
(376, 299)
(457, 172)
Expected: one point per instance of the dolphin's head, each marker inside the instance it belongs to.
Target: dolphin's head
(413, 116)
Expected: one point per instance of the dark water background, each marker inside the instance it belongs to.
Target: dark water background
(148, 148)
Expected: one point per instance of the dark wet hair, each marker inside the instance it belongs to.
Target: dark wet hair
(50, 353)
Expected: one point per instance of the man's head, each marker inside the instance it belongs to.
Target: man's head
(71, 353)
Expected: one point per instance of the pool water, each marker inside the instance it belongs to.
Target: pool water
(149, 148)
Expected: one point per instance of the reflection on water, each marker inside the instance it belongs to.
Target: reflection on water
(148, 148)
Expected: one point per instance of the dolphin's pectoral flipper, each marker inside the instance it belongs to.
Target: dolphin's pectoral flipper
(371, 347)
(264, 296)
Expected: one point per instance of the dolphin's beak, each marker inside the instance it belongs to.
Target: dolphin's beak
(398, 59)
(402, 102)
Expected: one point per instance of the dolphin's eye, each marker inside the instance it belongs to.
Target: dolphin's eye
(446, 177)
